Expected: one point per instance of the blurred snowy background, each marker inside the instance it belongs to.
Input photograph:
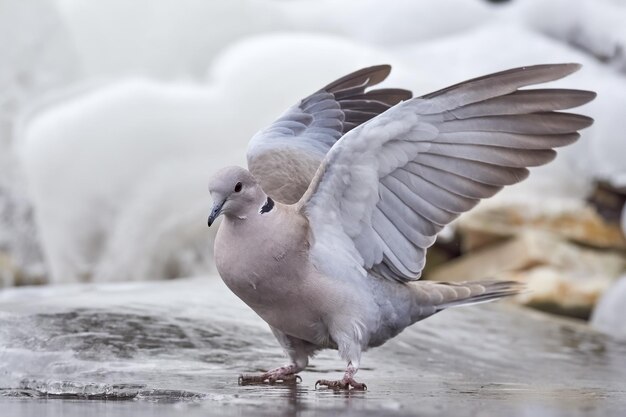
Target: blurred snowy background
(113, 114)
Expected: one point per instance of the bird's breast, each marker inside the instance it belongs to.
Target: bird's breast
(262, 263)
(269, 270)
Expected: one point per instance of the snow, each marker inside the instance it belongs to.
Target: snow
(85, 157)
(34, 62)
(389, 23)
(594, 26)
(116, 166)
(131, 159)
(167, 39)
(608, 316)
(170, 39)
(489, 49)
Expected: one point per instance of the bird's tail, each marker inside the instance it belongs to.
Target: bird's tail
(432, 297)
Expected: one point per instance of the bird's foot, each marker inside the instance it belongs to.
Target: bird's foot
(284, 374)
(346, 383)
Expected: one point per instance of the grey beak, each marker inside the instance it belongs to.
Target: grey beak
(215, 211)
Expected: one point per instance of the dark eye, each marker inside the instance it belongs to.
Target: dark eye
(238, 187)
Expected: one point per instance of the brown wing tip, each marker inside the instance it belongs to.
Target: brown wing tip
(588, 95)
(365, 77)
(386, 68)
(378, 73)
(562, 69)
(584, 121)
(570, 67)
(391, 96)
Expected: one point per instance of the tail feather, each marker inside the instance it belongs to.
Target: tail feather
(442, 295)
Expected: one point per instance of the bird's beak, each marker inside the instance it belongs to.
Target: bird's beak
(216, 211)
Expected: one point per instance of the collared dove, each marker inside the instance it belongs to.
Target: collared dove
(325, 237)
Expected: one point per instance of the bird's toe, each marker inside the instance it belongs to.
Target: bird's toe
(252, 379)
(345, 383)
(269, 378)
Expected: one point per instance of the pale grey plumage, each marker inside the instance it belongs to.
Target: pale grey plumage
(334, 270)
(392, 204)
(295, 144)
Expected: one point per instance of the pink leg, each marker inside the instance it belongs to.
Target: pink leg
(346, 382)
(285, 374)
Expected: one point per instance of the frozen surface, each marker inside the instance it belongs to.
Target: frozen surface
(179, 345)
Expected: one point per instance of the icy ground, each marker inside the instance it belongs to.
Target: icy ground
(178, 347)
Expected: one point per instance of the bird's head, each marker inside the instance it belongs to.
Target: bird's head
(235, 193)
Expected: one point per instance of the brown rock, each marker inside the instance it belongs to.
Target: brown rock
(573, 220)
(7, 271)
(562, 277)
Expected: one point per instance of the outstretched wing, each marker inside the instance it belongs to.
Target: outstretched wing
(285, 156)
(387, 188)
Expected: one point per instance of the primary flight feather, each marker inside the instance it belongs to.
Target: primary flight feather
(326, 236)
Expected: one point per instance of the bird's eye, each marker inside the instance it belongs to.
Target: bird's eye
(238, 187)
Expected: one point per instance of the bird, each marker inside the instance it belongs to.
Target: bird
(325, 234)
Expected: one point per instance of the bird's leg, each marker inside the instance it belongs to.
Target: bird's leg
(346, 382)
(285, 374)
(298, 352)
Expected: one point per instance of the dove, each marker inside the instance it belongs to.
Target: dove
(325, 236)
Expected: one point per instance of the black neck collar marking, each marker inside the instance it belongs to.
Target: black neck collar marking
(269, 205)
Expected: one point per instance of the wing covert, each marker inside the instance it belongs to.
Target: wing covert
(285, 156)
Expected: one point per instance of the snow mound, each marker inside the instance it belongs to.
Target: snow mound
(161, 38)
(117, 171)
(118, 174)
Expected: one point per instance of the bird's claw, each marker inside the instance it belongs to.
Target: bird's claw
(285, 379)
(345, 384)
(268, 378)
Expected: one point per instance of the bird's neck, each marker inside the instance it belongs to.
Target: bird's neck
(261, 205)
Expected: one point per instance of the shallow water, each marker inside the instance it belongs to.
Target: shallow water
(161, 348)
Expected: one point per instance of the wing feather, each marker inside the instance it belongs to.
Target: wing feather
(496, 155)
(425, 208)
(486, 173)
(530, 124)
(307, 130)
(508, 140)
(523, 102)
(387, 187)
(403, 216)
(462, 186)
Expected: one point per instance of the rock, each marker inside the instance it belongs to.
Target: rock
(13, 273)
(574, 220)
(609, 314)
(7, 271)
(561, 292)
(608, 200)
(561, 276)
